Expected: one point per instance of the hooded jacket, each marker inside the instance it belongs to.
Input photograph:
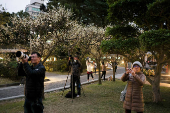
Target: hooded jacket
(34, 79)
(134, 95)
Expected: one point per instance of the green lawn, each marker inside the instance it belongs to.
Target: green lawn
(99, 99)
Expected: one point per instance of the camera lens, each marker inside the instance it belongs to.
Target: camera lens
(18, 53)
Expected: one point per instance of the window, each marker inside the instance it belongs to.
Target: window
(27, 9)
(35, 9)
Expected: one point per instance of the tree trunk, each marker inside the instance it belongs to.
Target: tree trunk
(113, 66)
(156, 83)
(98, 65)
(169, 68)
(125, 62)
(43, 96)
(50, 51)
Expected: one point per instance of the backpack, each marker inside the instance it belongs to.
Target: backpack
(69, 95)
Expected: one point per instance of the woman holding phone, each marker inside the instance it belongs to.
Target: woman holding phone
(134, 95)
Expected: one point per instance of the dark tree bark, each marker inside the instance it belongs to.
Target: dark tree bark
(156, 82)
(168, 67)
(98, 65)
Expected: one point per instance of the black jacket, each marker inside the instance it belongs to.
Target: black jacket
(75, 67)
(34, 79)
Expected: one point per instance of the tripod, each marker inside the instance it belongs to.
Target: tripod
(65, 83)
(72, 86)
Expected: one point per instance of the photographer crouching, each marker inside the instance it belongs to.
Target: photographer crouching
(34, 86)
(75, 75)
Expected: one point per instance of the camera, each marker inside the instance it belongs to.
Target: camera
(21, 55)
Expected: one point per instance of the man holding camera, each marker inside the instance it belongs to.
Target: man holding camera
(75, 75)
(34, 86)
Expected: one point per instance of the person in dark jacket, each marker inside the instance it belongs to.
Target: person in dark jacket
(75, 75)
(34, 86)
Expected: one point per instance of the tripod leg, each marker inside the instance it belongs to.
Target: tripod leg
(78, 85)
(72, 87)
(65, 83)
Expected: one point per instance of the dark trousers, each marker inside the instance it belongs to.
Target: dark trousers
(95, 70)
(115, 68)
(103, 73)
(76, 79)
(129, 111)
(88, 75)
(30, 108)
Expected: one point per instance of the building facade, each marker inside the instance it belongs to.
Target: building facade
(34, 7)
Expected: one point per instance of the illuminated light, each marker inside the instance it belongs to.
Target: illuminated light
(122, 62)
(91, 67)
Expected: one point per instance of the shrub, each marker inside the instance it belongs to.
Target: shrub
(59, 65)
(9, 69)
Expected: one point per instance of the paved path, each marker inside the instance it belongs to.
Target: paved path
(56, 81)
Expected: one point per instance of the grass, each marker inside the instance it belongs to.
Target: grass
(6, 81)
(99, 99)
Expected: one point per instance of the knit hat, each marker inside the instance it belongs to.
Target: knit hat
(138, 63)
(76, 56)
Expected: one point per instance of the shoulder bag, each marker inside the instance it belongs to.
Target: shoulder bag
(123, 93)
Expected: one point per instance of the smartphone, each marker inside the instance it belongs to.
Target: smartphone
(129, 65)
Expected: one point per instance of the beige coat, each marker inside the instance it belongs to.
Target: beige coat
(134, 95)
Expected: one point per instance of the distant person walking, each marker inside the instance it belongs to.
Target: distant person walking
(103, 70)
(134, 95)
(89, 69)
(115, 63)
(95, 66)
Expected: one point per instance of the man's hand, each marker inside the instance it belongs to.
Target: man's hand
(24, 60)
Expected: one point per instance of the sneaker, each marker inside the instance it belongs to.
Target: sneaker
(93, 80)
(78, 95)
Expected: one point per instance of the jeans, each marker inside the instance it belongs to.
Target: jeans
(29, 106)
(95, 70)
(76, 79)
